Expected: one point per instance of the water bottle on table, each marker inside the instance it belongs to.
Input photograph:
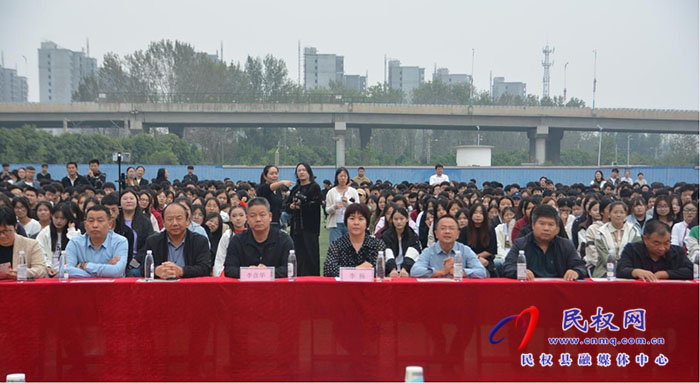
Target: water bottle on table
(380, 267)
(611, 265)
(457, 268)
(522, 266)
(22, 267)
(149, 271)
(292, 265)
(64, 261)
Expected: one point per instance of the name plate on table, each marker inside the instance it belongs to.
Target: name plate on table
(257, 274)
(351, 274)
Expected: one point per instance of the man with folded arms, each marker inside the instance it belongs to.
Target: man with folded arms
(654, 257)
(99, 252)
(261, 246)
(548, 255)
(177, 252)
(437, 260)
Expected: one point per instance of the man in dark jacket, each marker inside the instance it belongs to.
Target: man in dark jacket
(261, 246)
(548, 255)
(654, 257)
(73, 179)
(177, 252)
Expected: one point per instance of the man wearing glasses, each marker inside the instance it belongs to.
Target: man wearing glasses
(99, 252)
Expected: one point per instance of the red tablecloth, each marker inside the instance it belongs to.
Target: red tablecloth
(321, 329)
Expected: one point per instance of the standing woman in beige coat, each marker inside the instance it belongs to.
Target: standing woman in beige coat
(11, 244)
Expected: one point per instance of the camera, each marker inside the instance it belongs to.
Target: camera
(299, 197)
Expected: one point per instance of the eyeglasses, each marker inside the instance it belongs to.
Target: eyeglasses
(690, 210)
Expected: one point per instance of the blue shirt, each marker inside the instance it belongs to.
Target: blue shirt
(80, 250)
(176, 254)
(432, 259)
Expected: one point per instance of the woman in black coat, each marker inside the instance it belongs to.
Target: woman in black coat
(402, 245)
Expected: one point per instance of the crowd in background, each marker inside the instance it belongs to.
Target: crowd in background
(362, 216)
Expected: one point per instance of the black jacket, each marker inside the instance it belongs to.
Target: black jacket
(245, 251)
(308, 218)
(81, 180)
(409, 238)
(97, 180)
(636, 256)
(196, 253)
(478, 247)
(127, 233)
(141, 225)
(566, 256)
(190, 178)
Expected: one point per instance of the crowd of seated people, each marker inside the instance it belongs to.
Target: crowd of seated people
(196, 228)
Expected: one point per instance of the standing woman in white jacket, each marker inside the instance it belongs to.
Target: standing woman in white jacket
(55, 237)
(337, 199)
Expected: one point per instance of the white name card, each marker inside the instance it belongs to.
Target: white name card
(257, 274)
(351, 274)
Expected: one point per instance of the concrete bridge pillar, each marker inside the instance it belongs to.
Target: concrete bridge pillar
(545, 144)
(339, 129)
(538, 143)
(136, 122)
(365, 135)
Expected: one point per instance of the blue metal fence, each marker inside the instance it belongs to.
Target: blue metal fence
(506, 175)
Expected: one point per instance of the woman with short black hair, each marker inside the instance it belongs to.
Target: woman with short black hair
(356, 248)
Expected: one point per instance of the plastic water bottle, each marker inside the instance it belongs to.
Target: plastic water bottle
(56, 260)
(696, 266)
(380, 267)
(292, 265)
(611, 265)
(64, 261)
(457, 268)
(149, 266)
(22, 267)
(522, 266)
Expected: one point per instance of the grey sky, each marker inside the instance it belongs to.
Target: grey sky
(647, 49)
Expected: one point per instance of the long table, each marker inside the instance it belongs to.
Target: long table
(320, 329)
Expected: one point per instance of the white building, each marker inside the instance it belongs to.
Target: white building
(60, 72)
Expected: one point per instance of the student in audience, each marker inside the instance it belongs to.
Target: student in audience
(548, 255)
(146, 208)
(681, 229)
(11, 244)
(56, 236)
(31, 226)
(262, 245)
(662, 210)
(238, 225)
(654, 257)
(638, 214)
(480, 237)
(42, 212)
(437, 260)
(504, 236)
(402, 244)
(356, 248)
(337, 201)
(134, 219)
(614, 235)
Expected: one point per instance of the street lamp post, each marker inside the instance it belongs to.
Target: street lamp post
(600, 142)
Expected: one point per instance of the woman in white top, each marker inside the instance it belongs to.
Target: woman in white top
(614, 235)
(680, 230)
(31, 226)
(504, 231)
(337, 199)
(238, 222)
(597, 217)
(54, 238)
